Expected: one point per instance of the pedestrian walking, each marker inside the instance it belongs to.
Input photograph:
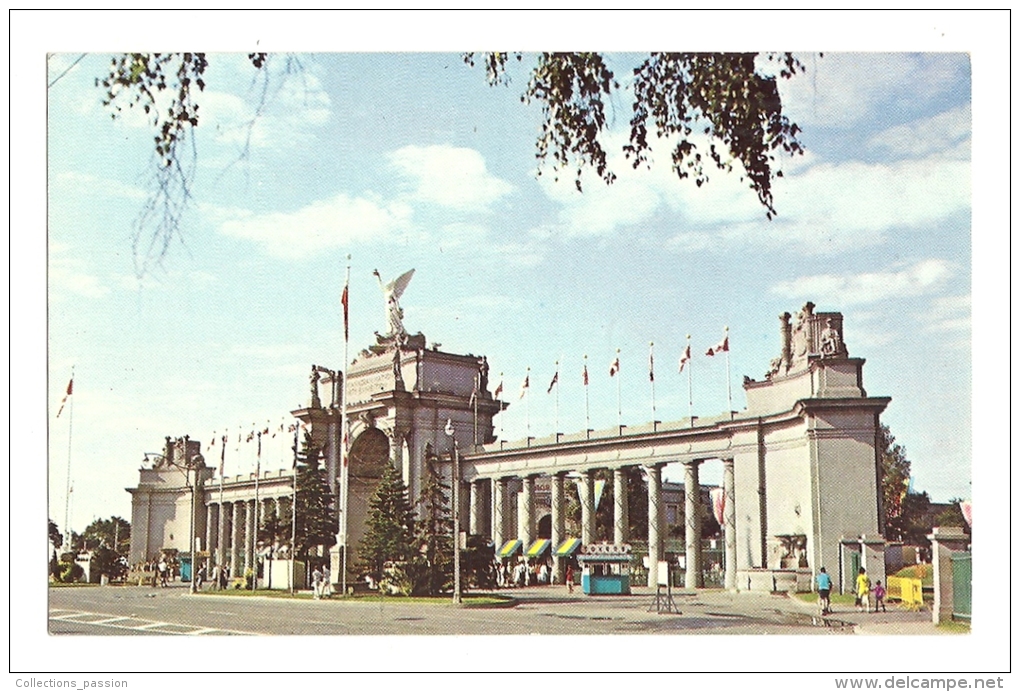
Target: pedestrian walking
(327, 583)
(199, 578)
(223, 578)
(162, 572)
(879, 596)
(316, 583)
(863, 591)
(824, 582)
(570, 579)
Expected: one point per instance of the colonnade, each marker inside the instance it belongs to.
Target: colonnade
(501, 513)
(231, 530)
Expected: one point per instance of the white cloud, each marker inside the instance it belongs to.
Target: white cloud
(319, 226)
(947, 133)
(948, 314)
(872, 287)
(67, 275)
(451, 177)
(845, 89)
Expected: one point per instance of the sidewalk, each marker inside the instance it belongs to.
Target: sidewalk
(895, 620)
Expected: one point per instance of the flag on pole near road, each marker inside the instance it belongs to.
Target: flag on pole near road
(525, 385)
(651, 362)
(555, 379)
(70, 390)
(685, 357)
(223, 454)
(344, 302)
(499, 387)
(720, 347)
(614, 367)
(585, 372)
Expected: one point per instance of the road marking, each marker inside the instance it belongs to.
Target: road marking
(140, 625)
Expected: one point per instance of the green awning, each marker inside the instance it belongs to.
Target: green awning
(509, 548)
(567, 547)
(537, 548)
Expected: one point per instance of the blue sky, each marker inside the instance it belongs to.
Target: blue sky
(411, 160)
(356, 157)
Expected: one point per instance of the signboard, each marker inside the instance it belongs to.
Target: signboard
(662, 576)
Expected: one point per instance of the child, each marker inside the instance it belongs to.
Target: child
(879, 596)
(863, 591)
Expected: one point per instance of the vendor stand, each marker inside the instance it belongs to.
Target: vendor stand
(605, 568)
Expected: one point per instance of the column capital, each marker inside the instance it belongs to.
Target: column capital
(656, 466)
(693, 462)
(728, 462)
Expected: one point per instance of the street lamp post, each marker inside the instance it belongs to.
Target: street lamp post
(456, 514)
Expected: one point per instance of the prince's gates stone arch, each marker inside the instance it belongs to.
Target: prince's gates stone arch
(801, 463)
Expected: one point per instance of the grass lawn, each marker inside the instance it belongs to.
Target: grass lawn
(955, 627)
(834, 599)
(481, 599)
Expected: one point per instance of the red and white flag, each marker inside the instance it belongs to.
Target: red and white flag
(718, 497)
(585, 373)
(70, 389)
(720, 347)
(651, 363)
(685, 357)
(614, 367)
(343, 301)
(499, 388)
(555, 379)
(525, 385)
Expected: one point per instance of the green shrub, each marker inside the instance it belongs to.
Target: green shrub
(71, 572)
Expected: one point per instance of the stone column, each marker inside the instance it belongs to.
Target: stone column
(235, 539)
(945, 540)
(692, 521)
(475, 520)
(209, 536)
(221, 532)
(621, 517)
(587, 507)
(654, 474)
(249, 534)
(499, 512)
(558, 525)
(528, 508)
(729, 526)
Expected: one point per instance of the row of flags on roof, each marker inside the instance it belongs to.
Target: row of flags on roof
(722, 346)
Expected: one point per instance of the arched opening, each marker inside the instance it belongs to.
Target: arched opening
(369, 452)
(545, 526)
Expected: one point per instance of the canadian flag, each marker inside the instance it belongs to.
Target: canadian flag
(720, 347)
(555, 379)
(585, 374)
(499, 390)
(525, 385)
(685, 357)
(614, 367)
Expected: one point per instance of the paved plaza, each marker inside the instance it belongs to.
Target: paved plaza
(131, 610)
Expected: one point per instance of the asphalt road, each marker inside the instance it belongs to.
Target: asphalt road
(132, 610)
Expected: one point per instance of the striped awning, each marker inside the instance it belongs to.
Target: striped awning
(568, 547)
(537, 548)
(509, 548)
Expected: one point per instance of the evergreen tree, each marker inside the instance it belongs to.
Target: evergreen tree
(389, 527)
(434, 528)
(895, 481)
(316, 517)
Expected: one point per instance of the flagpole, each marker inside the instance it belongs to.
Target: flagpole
(556, 432)
(619, 403)
(527, 408)
(587, 408)
(67, 494)
(344, 475)
(729, 389)
(499, 389)
(293, 515)
(651, 376)
(690, 389)
(255, 529)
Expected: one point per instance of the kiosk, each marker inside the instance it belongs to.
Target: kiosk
(605, 568)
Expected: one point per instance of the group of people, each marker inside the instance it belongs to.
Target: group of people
(322, 584)
(863, 591)
(521, 574)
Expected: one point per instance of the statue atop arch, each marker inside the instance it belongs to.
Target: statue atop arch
(392, 292)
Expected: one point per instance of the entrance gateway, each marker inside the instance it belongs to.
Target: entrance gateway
(801, 464)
